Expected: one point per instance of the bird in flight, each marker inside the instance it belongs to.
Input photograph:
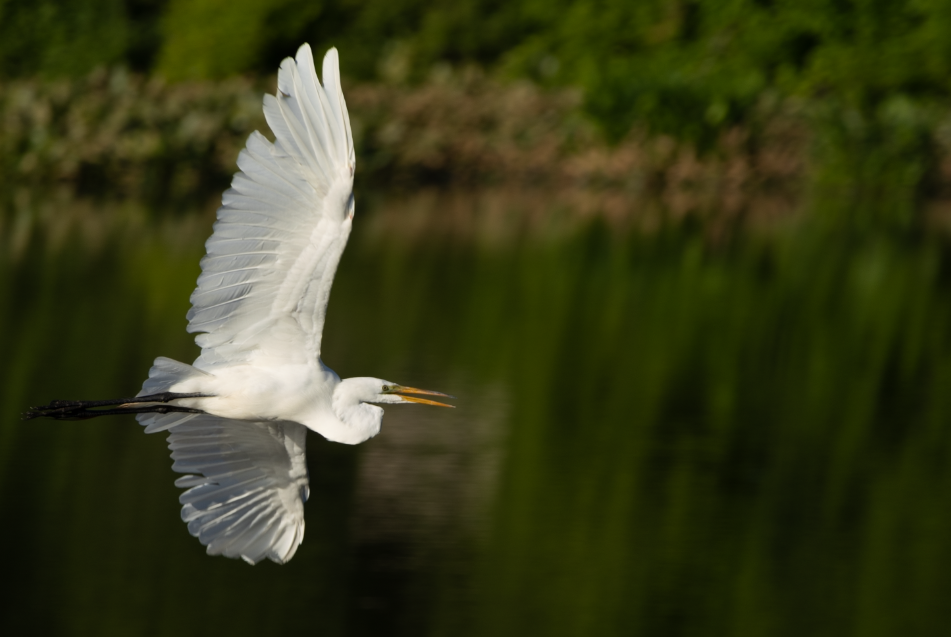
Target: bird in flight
(238, 416)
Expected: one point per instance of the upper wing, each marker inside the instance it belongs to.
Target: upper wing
(282, 226)
(247, 499)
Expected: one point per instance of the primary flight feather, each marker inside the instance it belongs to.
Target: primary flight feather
(237, 417)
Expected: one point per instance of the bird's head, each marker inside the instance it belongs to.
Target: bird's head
(353, 404)
(391, 393)
(352, 391)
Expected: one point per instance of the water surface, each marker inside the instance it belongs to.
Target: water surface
(657, 432)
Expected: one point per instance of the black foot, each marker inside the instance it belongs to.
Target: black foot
(85, 409)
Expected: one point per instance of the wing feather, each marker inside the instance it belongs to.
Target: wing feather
(331, 75)
(282, 226)
(247, 482)
(311, 109)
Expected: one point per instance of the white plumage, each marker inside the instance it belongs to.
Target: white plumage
(283, 224)
(259, 309)
(248, 501)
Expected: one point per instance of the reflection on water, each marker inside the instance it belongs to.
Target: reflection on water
(655, 434)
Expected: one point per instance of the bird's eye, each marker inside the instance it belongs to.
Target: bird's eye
(386, 388)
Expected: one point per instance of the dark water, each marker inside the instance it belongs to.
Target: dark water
(657, 434)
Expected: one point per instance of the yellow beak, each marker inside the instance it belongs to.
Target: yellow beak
(422, 401)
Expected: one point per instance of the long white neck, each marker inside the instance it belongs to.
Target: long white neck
(359, 420)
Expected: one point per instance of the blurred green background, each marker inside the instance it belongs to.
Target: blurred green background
(682, 66)
(685, 264)
(855, 90)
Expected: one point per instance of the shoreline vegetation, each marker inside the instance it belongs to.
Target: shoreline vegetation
(738, 112)
(117, 134)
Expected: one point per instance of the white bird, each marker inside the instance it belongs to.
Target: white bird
(237, 417)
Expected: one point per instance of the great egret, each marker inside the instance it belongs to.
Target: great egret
(237, 417)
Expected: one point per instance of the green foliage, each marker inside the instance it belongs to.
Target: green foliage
(55, 37)
(691, 68)
(687, 69)
(215, 38)
(118, 133)
(219, 38)
(874, 165)
(210, 39)
(682, 67)
(123, 134)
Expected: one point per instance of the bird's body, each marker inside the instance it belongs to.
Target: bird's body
(237, 417)
(310, 394)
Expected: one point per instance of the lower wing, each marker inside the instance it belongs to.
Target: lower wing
(247, 483)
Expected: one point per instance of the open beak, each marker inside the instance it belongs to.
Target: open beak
(399, 391)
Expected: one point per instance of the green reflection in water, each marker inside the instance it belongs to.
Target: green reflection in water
(748, 442)
(655, 436)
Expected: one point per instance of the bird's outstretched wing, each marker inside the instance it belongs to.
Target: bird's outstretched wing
(248, 483)
(282, 226)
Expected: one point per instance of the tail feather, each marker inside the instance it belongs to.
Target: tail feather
(164, 375)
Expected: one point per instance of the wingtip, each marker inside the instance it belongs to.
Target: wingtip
(331, 66)
(304, 50)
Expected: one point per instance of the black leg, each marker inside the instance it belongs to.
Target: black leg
(84, 409)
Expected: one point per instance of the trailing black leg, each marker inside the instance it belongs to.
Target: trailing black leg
(84, 409)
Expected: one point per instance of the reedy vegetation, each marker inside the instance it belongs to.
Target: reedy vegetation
(120, 133)
(866, 80)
